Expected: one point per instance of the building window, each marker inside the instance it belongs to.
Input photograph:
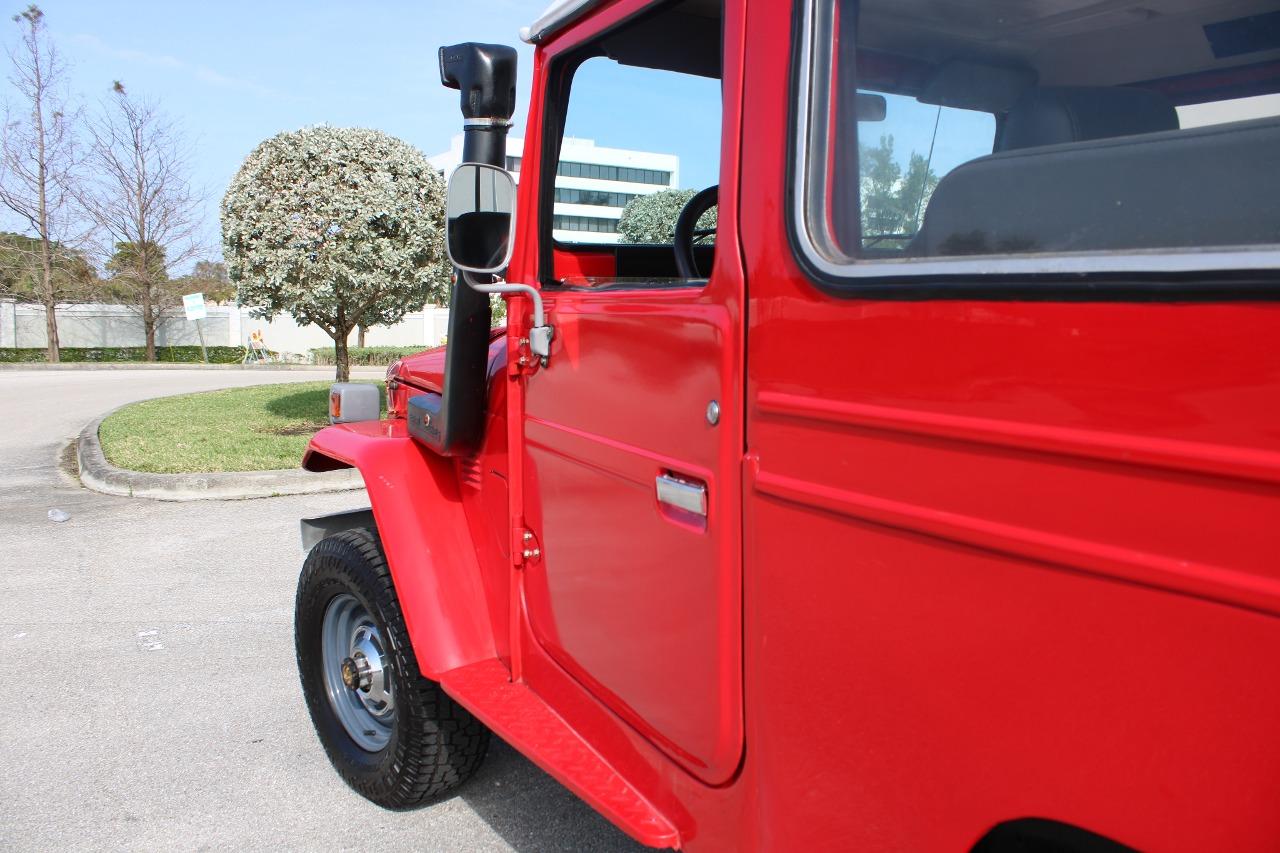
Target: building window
(562, 222)
(513, 164)
(596, 197)
(613, 173)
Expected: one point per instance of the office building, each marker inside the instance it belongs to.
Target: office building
(593, 184)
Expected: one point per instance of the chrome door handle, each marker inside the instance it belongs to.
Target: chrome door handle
(682, 494)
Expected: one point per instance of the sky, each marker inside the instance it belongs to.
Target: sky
(666, 112)
(233, 73)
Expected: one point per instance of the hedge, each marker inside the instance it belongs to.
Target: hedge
(175, 354)
(366, 356)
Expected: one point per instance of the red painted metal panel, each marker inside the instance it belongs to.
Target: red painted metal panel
(584, 263)
(424, 531)
(641, 607)
(519, 716)
(1003, 559)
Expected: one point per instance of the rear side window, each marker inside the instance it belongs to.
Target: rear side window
(970, 137)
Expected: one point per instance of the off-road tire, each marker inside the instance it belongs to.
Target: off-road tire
(435, 744)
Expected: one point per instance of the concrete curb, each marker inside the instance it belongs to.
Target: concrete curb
(100, 475)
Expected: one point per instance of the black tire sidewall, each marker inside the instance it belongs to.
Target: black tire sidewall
(335, 566)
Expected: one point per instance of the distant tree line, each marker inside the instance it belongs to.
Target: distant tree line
(100, 201)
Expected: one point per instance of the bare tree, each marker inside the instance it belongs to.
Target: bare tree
(38, 163)
(144, 205)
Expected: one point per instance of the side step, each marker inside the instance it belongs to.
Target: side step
(517, 715)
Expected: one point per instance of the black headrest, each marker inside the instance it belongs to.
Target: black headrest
(1052, 115)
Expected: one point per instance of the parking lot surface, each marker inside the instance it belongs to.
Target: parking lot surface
(152, 698)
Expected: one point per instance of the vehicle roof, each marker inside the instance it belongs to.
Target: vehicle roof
(562, 13)
(558, 15)
(1078, 42)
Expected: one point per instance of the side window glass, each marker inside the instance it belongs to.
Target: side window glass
(638, 143)
(902, 156)
(959, 144)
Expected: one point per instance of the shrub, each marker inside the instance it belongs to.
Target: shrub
(367, 356)
(171, 354)
(652, 218)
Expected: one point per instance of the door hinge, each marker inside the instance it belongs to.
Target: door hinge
(524, 363)
(525, 547)
(533, 351)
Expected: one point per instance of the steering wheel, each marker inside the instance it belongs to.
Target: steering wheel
(686, 234)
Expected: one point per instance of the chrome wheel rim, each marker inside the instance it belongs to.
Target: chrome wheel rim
(357, 673)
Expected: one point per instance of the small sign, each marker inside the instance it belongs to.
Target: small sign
(193, 304)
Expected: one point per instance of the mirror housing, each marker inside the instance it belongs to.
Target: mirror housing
(480, 217)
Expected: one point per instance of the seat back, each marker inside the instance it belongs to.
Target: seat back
(1099, 191)
(1058, 114)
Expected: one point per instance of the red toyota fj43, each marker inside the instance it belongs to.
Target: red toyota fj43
(941, 513)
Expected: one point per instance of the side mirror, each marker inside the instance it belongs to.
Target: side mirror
(480, 210)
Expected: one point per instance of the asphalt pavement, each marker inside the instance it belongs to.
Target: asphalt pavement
(151, 697)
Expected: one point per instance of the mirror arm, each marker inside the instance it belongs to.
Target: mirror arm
(540, 334)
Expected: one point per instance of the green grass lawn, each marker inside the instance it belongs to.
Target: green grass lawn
(260, 428)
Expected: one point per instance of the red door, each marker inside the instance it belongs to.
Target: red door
(637, 594)
(633, 431)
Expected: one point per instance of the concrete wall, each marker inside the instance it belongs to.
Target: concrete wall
(100, 325)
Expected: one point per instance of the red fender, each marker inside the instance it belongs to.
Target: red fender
(424, 532)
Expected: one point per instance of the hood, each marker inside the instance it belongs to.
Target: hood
(425, 370)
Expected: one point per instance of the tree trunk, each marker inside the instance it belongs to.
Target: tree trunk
(51, 331)
(341, 357)
(149, 324)
(49, 298)
(360, 336)
(42, 212)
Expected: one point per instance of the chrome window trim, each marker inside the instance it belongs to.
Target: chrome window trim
(556, 17)
(820, 252)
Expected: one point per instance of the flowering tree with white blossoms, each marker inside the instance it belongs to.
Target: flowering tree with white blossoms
(341, 227)
(652, 218)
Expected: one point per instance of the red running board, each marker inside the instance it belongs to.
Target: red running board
(518, 716)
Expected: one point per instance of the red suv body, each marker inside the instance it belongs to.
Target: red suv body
(840, 550)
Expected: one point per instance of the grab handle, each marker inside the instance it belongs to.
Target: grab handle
(682, 494)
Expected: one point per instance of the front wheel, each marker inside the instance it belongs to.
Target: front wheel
(393, 736)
